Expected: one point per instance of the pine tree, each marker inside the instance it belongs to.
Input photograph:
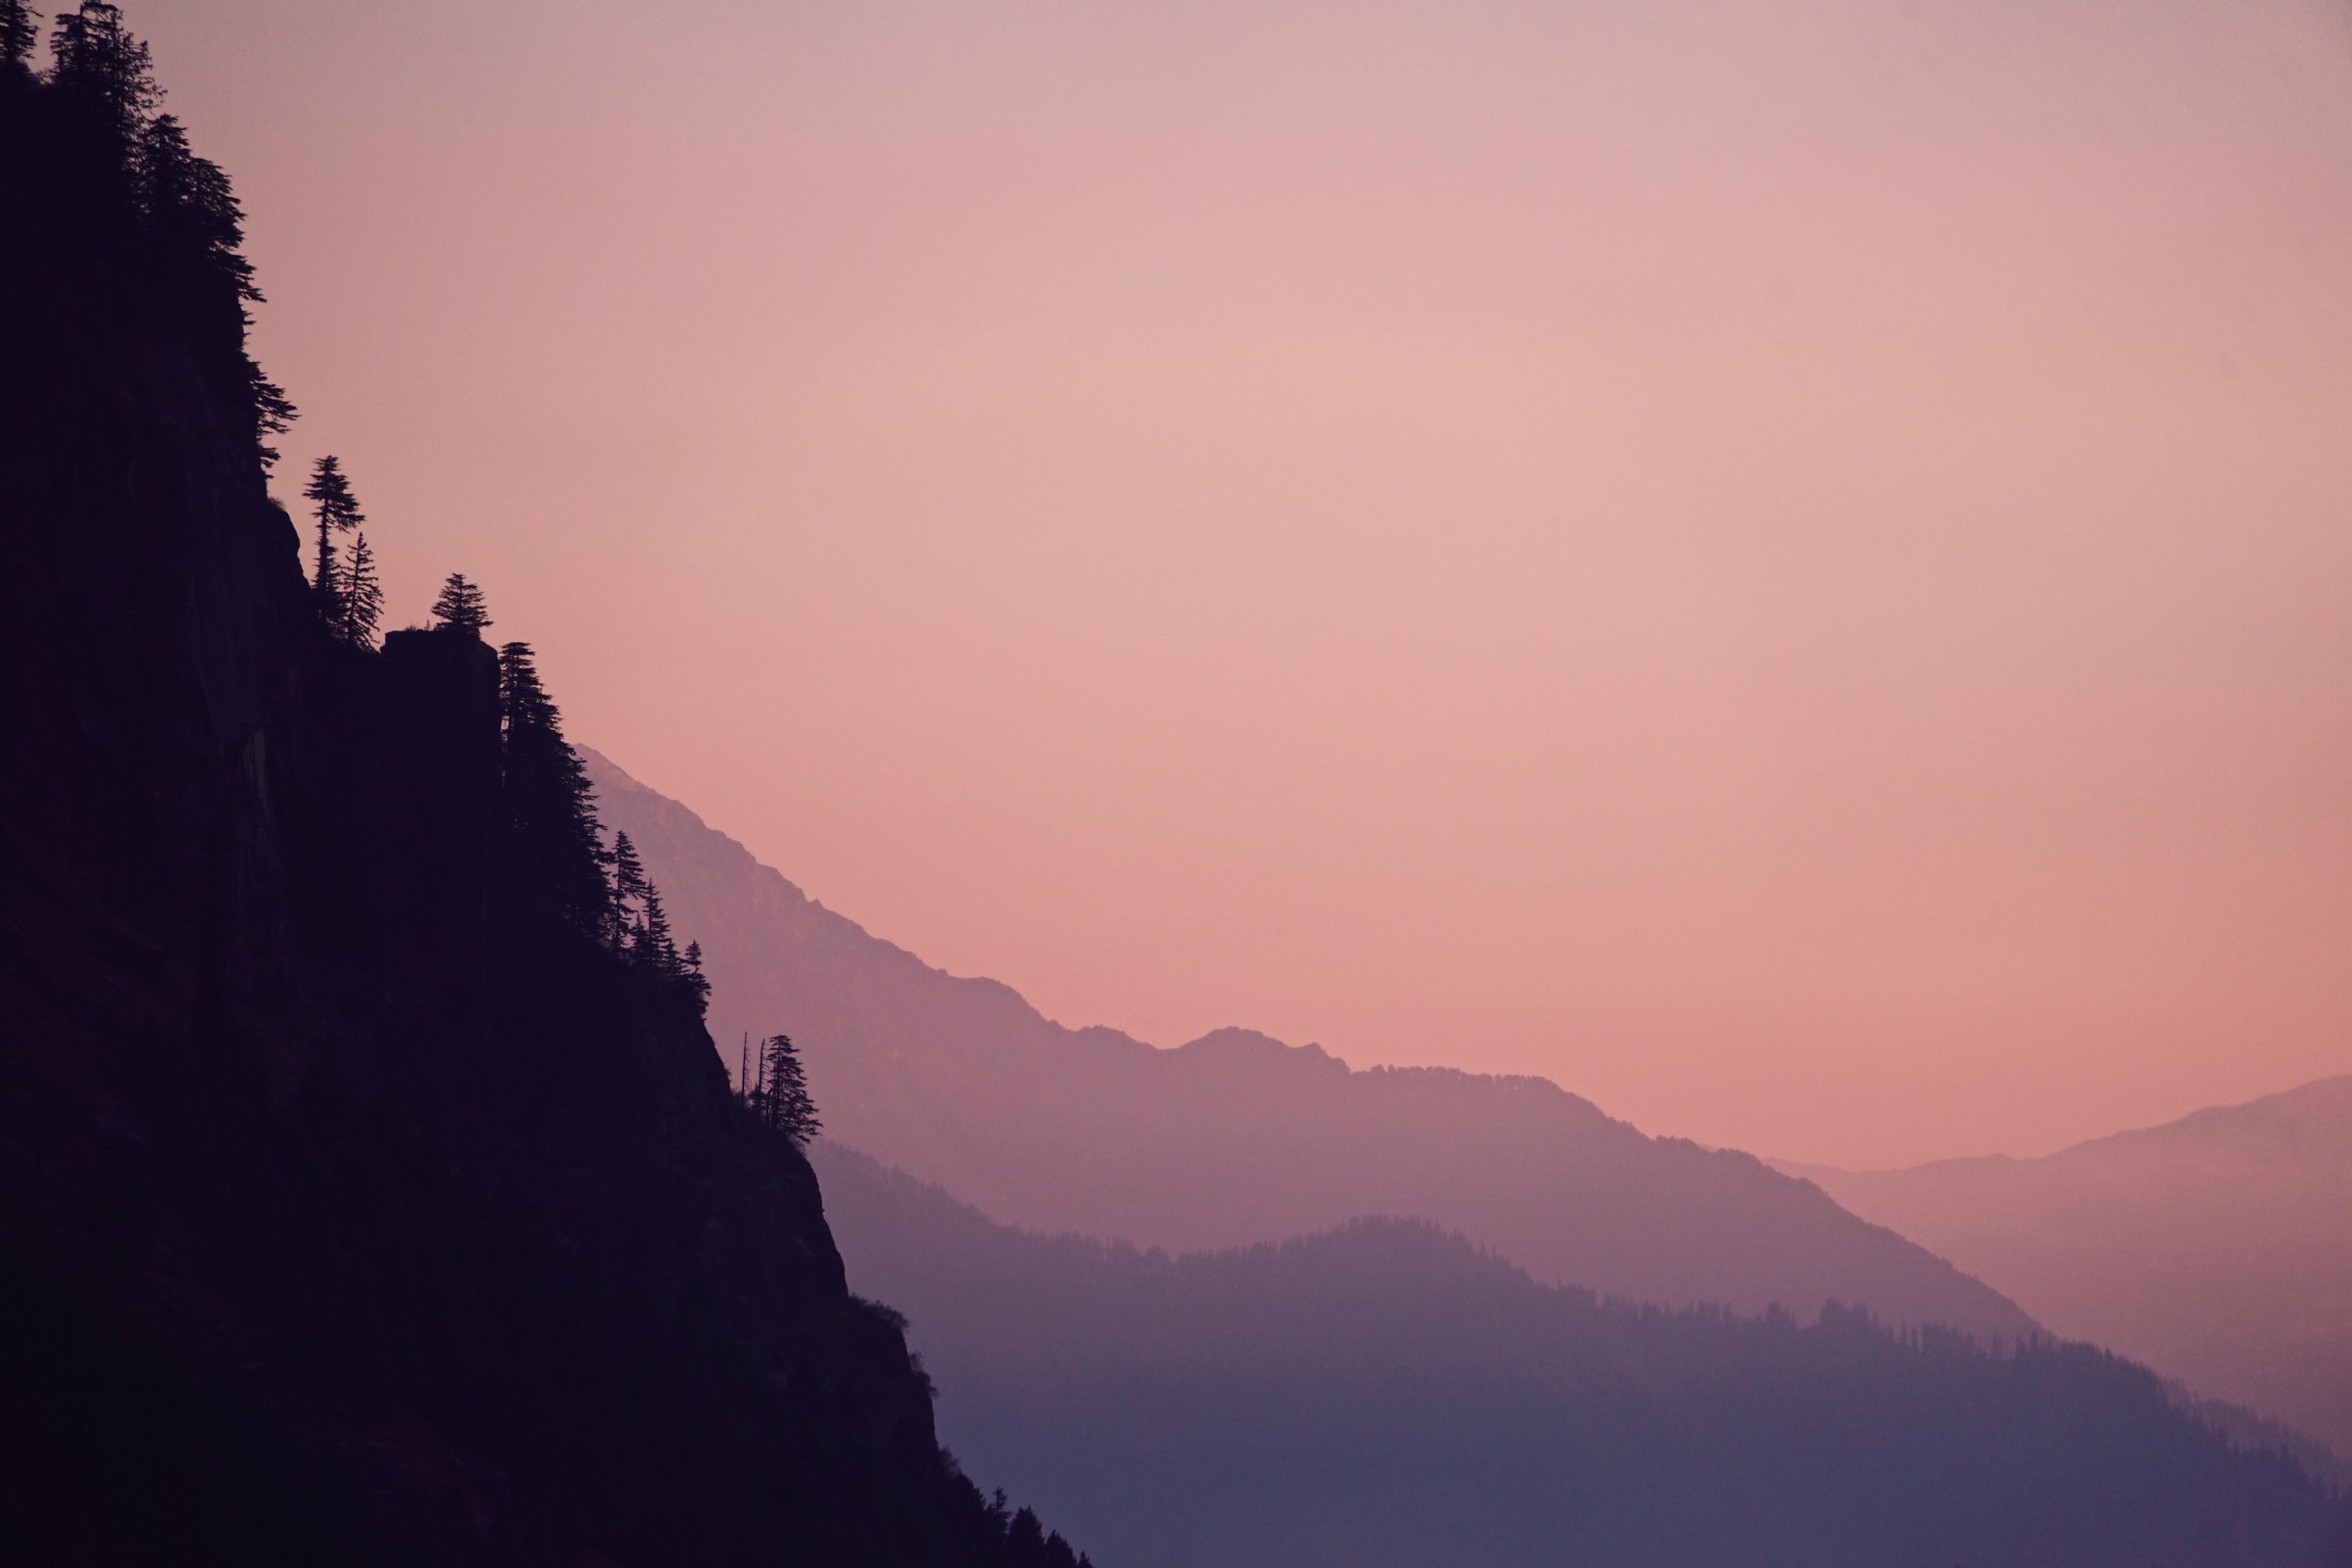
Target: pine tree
(359, 598)
(698, 984)
(190, 208)
(629, 890)
(197, 230)
(273, 410)
(104, 72)
(553, 849)
(338, 511)
(781, 1097)
(628, 871)
(19, 28)
(460, 607)
(654, 946)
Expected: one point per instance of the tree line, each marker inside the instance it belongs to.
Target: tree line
(132, 173)
(129, 173)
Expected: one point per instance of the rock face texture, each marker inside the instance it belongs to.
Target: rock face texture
(346, 1214)
(1237, 1138)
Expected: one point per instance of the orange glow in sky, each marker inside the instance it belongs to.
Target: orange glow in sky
(1787, 565)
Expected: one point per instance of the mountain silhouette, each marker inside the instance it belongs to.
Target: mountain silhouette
(1386, 1395)
(1236, 1138)
(2215, 1248)
(360, 1203)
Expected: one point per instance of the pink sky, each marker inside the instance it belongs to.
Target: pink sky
(1786, 565)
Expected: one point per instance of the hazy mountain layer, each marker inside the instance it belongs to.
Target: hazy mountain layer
(1237, 1138)
(2217, 1249)
(1387, 1394)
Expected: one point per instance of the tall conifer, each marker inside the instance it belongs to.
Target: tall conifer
(555, 854)
(104, 72)
(338, 511)
(20, 26)
(781, 1098)
(628, 871)
(361, 597)
(190, 208)
(655, 948)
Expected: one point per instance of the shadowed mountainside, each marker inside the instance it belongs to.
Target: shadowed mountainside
(2217, 1249)
(1386, 1396)
(1237, 1138)
(355, 1205)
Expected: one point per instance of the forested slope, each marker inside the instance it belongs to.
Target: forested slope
(361, 1200)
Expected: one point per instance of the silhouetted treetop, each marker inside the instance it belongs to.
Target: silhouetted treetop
(629, 884)
(103, 71)
(461, 606)
(20, 26)
(122, 170)
(190, 208)
(338, 511)
(554, 849)
(359, 598)
(779, 1090)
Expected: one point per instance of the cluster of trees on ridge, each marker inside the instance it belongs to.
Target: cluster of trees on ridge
(188, 232)
(456, 1337)
(176, 219)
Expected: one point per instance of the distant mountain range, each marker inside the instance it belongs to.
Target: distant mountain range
(1386, 1396)
(1236, 1138)
(2217, 1249)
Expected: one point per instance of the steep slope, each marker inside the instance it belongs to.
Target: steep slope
(1237, 1138)
(1387, 1394)
(353, 1207)
(2217, 1249)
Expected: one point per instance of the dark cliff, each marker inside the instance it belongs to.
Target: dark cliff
(345, 1214)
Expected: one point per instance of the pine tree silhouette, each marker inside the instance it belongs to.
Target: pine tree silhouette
(191, 211)
(554, 849)
(654, 946)
(698, 984)
(103, 71)
(460, 607)
(780, 1097)
(628, 871)
(628, 891)
(19, 28)
(338, 511)
(360, 597)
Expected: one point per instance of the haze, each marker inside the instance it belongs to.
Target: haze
(1783, 565)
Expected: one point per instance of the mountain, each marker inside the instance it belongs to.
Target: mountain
(359, 1202)
(1237, 1138)
(1386, 1396)
(2217, 1249)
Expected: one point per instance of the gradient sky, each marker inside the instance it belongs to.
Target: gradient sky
(1787, 565)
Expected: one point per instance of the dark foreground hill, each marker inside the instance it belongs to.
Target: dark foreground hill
(1237, 1138)
(1388, 1394)
(2217, 1247)
(358, 1202)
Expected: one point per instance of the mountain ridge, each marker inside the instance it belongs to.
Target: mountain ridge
(1236, 1136)
(1387, 1394)
(2212, 1246)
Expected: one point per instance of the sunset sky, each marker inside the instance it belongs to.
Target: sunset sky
(1784, 564)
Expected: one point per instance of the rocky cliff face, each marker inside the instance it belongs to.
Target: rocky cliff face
(340, 1221)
